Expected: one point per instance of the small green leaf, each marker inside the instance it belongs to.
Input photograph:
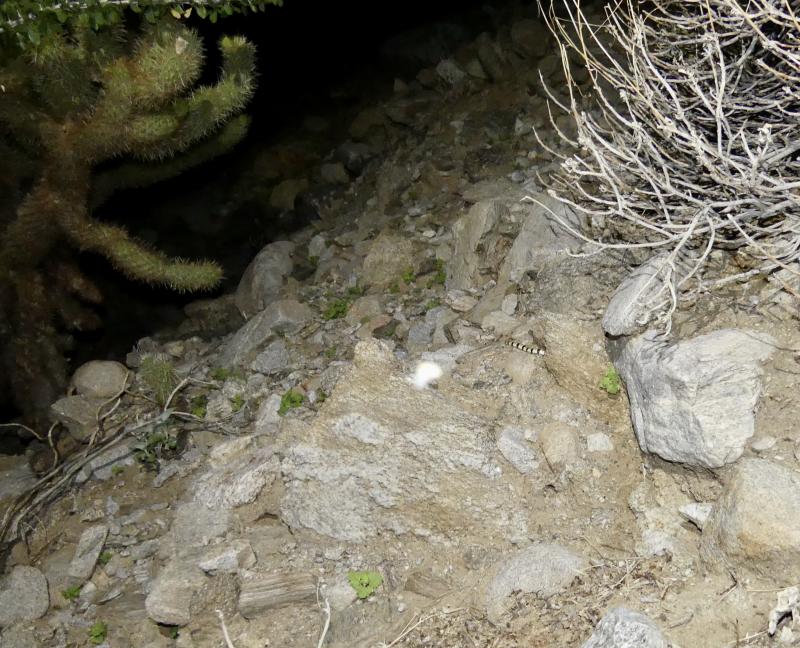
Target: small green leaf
(97, 633)
(611, 382)
(364, 582)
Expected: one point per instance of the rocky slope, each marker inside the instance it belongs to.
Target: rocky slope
(280, 471)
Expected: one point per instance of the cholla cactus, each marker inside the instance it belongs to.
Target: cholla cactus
(689, 142)
(84, 98)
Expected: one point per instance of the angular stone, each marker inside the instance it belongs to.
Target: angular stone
(693, 401)
(238, 479)
(175, 594)
(599, 442)
(194, 525)
(545, 569)
(86, 554)
(543, 235)
(755, 524)
(228, 558)
(23, 595)
(267, 417)
(263, 279)
(469, 234)
(285, 316)
(100, 379)
(624, 628)
(389, 257)
(273, 359)
(78, 414)
(266, 592)
(517, 450)
(560, 444)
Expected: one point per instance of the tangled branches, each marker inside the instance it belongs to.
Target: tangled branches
(692, 143)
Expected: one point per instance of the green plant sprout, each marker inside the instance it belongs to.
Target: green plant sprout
(364, 582)
(290, 400)
(199, 405)
(71, 593)
(336, 309)
(154, 447)
(237, 402)
(159, 375)
(440, 276)
(408, 275)
(611, 381)
(97, 633)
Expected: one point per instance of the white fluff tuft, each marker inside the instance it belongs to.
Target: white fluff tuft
(426, 373)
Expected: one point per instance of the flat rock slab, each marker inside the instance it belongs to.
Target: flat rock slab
(265, 592)
(86, 554)
(383, 456)
(692, 402)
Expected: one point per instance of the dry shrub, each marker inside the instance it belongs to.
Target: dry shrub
(688, 138)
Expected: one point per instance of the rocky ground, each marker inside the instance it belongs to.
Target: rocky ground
(282, 471)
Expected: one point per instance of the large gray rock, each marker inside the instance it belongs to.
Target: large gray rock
(18, 636)
(262, 280)
(755, 524)
(382, 456)
(631, 307)
(285, 316)
(693, 401)
(100, 379)
(23, 595)
(544, 569)
(624, 628)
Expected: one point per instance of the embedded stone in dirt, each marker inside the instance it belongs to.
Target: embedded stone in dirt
(544, 569)
(624, 628)
(755, 525)
(100, 379)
